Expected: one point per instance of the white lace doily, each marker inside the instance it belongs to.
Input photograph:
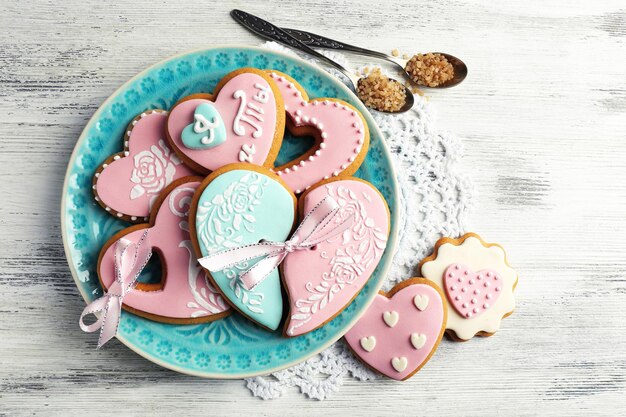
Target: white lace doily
(436, 198)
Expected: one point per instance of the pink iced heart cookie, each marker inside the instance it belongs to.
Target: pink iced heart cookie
(127, 183)
(340, 131)
(471, 293)
(478, 301)
(184, 294)
(323, 280)
(401, 329)
(243, 121)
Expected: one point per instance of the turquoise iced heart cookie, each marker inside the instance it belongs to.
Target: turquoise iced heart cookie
(207, 130)
(238, 205)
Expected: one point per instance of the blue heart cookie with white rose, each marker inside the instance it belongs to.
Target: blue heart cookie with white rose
(237, 205)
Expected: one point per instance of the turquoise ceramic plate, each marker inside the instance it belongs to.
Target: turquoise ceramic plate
(232, 347)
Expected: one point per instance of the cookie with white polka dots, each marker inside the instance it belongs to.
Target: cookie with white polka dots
(478, 283)
(128, 183)
(340, 131)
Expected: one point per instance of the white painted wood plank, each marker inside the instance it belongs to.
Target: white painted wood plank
(543, 119)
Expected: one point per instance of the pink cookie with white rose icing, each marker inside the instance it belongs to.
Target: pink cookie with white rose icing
(242, 121)
(127, 183)
(401, 329)
(340, 131)
(478, 282)
(184, 294)
(322, 281)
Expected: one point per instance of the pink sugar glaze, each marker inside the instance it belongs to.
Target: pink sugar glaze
(395, 342)
(186, 291)
(323, 281)
(340, 127)
(471, 293)
(228, 152)
(147, 149)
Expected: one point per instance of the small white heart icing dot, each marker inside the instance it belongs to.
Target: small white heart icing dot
(399, 364)
(421, 301)
(391, 318)
(368, 343)
(418, 340)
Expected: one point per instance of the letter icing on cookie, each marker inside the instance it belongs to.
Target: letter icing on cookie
(207, 130)
(242, 122)
(240, 207)
(249, 112)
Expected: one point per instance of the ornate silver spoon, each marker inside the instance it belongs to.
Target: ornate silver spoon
(314, 40)
(267, 30)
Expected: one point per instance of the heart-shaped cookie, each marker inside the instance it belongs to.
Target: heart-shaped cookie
(399, 351)
(471, 293)
(236, 205)
(184, 294)
(127, 183)
(340, 131)
(322, 281)
(245, 113)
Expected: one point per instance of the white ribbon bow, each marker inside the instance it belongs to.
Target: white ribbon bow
(322, 223)
(130, 260)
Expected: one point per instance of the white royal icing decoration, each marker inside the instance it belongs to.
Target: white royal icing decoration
(391, 318)
(399, 364)
(153, 170)
(202, 125)
(368, 343)
(421, 302)
(263, 95)
(249, 112)
(418, 340)
(246, 153)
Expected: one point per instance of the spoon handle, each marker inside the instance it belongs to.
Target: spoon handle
(312, 39)
(267, 30)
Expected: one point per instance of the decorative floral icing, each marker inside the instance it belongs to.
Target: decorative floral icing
(239, 207)
(185, 292)
(207, 130)
(248, 113)
(343, 137)
(400, 350)
(470, 254)
(128, 183)
(322, 282)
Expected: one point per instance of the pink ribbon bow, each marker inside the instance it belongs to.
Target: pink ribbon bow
(322, 223)
(130, 260)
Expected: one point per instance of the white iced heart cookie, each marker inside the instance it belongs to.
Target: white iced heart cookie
(478, 283)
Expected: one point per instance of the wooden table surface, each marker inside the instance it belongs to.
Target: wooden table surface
(543, 119)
